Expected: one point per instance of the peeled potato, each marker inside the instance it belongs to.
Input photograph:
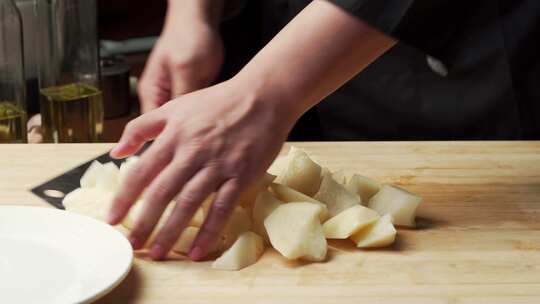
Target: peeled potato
(381, 233)
(239, 222)
(397, 202)
(365, 187)
(89, 178)
(198, 218)
(126, 167)
(278, 166)
(207, 203)
(183, 244)
(335, 196)
(301, 173)
(108, 178)
(264, 205)
(340, 177)
(295, 231)
(91, 202)
(247, 249)
(289, 195)
(247, 198)
(349, 221)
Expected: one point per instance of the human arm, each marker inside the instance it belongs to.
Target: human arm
(187, 56)
(222, 138)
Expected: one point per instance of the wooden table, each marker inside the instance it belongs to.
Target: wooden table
(478, 240)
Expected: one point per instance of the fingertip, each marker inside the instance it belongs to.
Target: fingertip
(135, 243)
(157, 252)
(115, 215)
(123, 150)
(196, 253)
(116, 152)
(112, 218)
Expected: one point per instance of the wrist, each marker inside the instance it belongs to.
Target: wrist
(267, 94)
(198, 11)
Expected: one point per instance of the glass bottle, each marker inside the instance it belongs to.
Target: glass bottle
(70, 99)
(27, 9)
(12, 83)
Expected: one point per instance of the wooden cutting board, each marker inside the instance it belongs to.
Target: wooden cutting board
(478, 239)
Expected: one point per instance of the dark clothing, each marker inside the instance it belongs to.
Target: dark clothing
(484, 83)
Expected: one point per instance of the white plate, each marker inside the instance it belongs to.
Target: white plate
(54, 256)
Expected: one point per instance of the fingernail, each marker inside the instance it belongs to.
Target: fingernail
(157, 252)
(116, 149)
(196, 253)
(135, 242)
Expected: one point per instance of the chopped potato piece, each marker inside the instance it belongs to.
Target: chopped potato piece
(295, 231)
(278, 166)
(108, 179)
(90, 176)
(247, 249)
(91, 202)
(349, 221)
(240, 221)
(247, 198)
(198, 218)
(365, 187)
(207, 203)
(290, 195)
(335, 196)
(379, 234)
(301, 173)
(340, 176)
(397, 202)
(183, 244)
(126, 167)
(264, 205)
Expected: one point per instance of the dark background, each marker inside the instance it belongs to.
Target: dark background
(242, 37)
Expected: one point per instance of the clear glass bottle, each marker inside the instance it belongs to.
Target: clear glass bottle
(27, 8)
(70, 99)
(12, 83)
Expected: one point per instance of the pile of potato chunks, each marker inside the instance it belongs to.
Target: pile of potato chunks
(294, 208)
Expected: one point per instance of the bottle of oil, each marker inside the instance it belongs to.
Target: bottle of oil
(12, 82)
(70, 99)
(27, 9)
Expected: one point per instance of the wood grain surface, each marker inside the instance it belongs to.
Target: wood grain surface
(478, 239)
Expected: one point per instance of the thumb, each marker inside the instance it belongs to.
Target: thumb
(138, 131)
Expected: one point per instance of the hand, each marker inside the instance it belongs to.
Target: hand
(187, 57)
(218, 139)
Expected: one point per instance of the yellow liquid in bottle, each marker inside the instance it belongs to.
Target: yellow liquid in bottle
(71, 113)
(12, 123)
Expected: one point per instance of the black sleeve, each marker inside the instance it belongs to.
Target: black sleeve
(385, 15)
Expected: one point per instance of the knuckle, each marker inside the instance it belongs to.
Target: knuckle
(161, 192)
(131, 125)
(138, 172)
(187, 209)
(209, 232)
(132, 128)
(222, 209)
(184, 62)
(187, 199)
